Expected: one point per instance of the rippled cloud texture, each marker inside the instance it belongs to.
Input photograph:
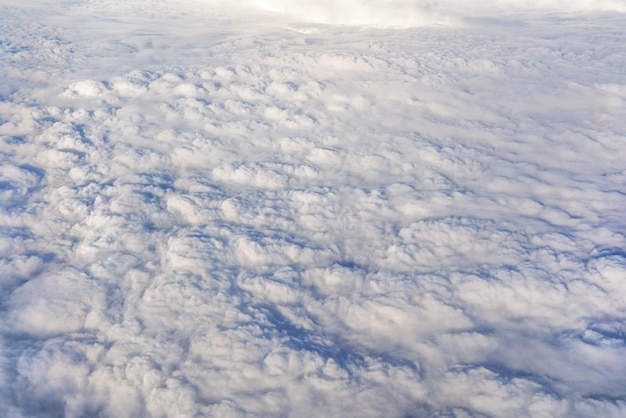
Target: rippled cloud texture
(232, 215)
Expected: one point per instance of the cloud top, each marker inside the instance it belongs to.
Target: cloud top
(202, 219)
(417, 12)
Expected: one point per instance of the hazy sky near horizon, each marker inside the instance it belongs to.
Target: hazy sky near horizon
(374, 209)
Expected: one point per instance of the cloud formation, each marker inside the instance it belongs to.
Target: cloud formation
(251, 220)
(415, 12)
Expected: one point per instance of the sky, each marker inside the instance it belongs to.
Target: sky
(283, 209)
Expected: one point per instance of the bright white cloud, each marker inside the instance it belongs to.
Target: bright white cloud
(410, 12)
(229, 217)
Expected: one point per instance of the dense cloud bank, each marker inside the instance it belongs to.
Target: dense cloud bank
(222, 220)
(408, 12)
(422, 12)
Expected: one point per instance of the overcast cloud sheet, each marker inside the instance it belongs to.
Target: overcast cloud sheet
(243, 211)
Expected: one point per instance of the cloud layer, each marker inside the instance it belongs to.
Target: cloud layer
(232, 220)
(405, 13)
(421, 12)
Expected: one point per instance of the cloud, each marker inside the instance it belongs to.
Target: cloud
(203, 219)
(406, 13)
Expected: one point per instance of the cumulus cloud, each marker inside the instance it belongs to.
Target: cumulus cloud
(261, 221)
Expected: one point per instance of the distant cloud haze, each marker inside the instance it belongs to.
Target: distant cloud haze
(415, 12)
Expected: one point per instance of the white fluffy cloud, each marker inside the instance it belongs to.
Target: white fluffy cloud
(230, 217)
